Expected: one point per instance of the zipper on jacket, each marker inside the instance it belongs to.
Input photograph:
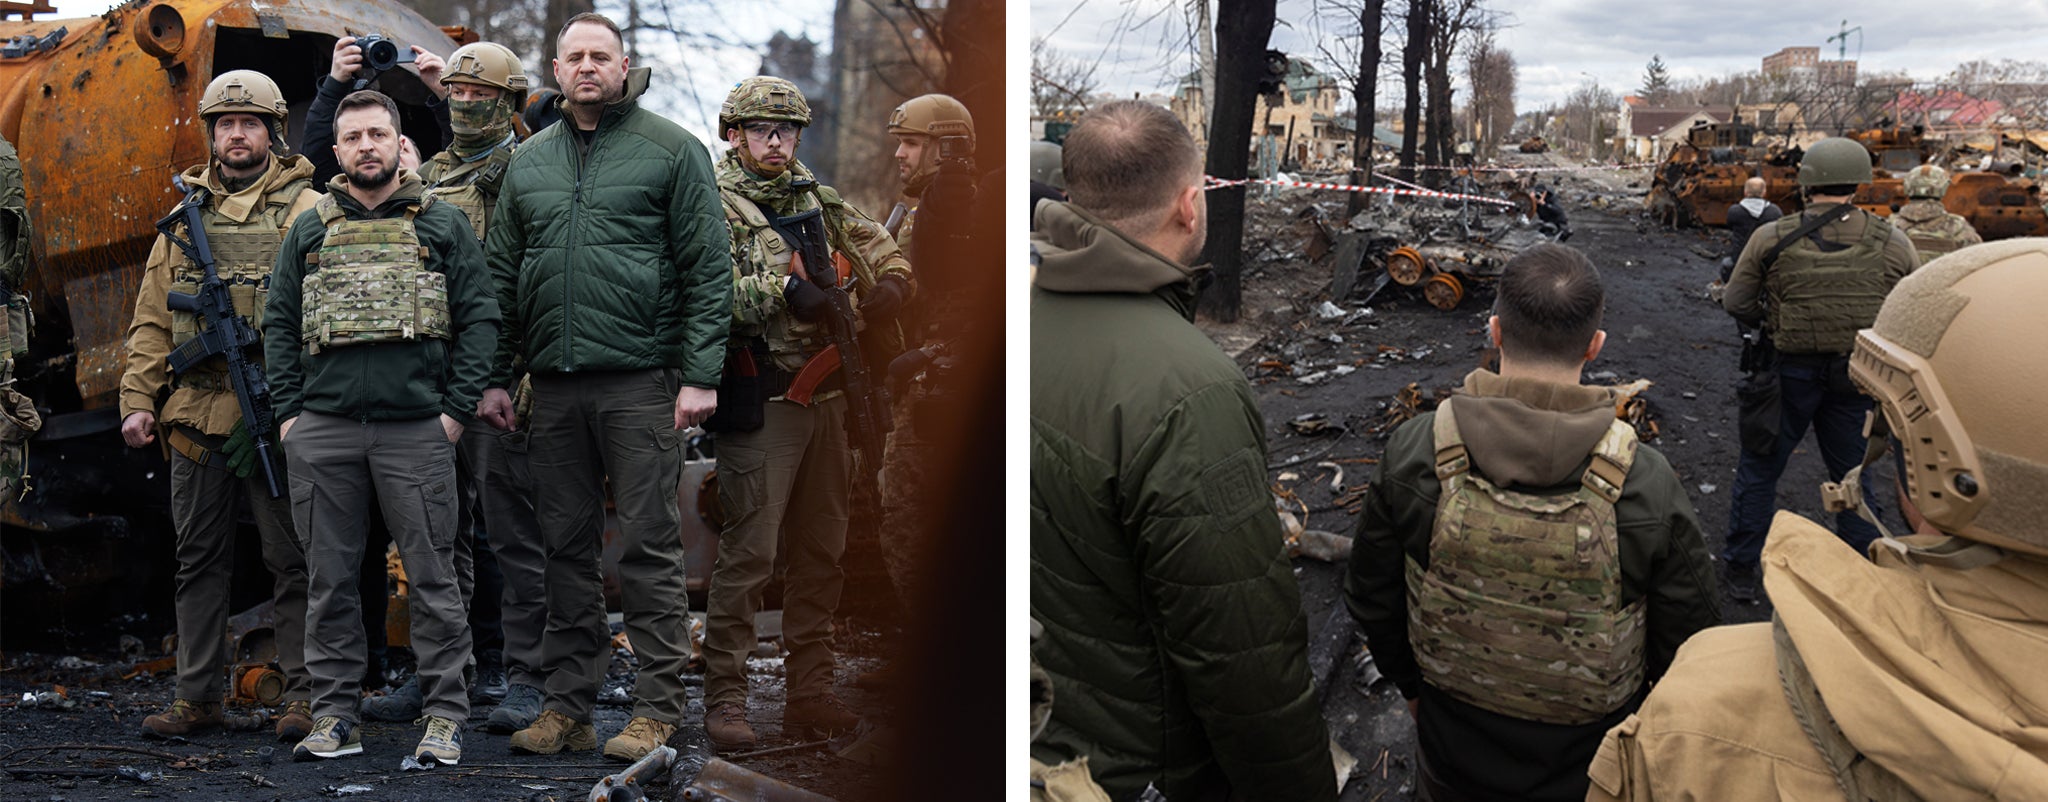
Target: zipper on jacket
(583, 160)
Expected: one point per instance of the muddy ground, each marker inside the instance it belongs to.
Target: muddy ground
(1660, 327)
(104, 728)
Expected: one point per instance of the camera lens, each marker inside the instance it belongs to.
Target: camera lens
(381, 54)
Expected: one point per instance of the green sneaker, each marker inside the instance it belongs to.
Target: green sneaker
(332, 737)
(442, 744)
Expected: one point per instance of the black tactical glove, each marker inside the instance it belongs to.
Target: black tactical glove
(805, 299)
(240, 450)
(885, 299)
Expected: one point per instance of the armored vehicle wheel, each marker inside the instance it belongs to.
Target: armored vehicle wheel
(1443, 291)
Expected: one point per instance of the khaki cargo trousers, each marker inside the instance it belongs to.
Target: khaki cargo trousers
(783, 485)
(337, 466)
(203, 513)
(588, 427)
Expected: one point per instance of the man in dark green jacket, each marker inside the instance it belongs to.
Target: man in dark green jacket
(614, 270)
(1174, 634)
(378, 335)
(1526, 609)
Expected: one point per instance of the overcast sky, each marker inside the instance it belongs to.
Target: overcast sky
(1141, 44)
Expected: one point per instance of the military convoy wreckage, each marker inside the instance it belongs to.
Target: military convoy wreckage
(1442, 248)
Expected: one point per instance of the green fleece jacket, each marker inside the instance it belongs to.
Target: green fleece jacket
(1533, 437)
(1174, 633)
(613, 259)
(387, 381)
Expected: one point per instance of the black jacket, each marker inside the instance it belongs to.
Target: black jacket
(316, 143)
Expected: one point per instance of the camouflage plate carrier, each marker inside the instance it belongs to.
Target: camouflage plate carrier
(1519, 611)
(243, 254)
(470, 186)
(1934, 230)
(790, 341)
(367, 283)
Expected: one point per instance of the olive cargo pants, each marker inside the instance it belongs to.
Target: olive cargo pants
(783, 484)
(587, 427)
(203, 512)
(337, 465)
(522, 555)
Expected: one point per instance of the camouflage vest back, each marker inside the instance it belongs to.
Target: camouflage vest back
(1934, 231)
(764, 250)
(1818, 300)
(471, 186)
(242, 254)
(1519, 611)
(368, 283)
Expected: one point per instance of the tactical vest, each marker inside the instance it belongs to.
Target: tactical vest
(470, 186)
(1933, 236)
(1819, 300)
(242, 254)
(368, 282)
(1519, 611)
(790, 341)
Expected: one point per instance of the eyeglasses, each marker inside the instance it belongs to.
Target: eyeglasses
(765, 131)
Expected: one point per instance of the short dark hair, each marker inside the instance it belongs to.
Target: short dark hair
(1549, 304)
(592, 17)
(364, 99)
(1128, 158)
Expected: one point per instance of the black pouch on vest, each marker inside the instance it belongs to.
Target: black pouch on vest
(742, 391)
(1758, 401)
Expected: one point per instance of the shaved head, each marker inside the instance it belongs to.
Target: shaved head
(1753, 188)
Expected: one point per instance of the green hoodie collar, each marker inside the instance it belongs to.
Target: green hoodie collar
(410, 190)
(1081, 254)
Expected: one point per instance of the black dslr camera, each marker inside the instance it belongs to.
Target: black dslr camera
(380, 53)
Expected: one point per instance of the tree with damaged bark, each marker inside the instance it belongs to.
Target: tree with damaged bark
(1364, 80)
(1242, 30)
(1491, 71)
(1412, 56)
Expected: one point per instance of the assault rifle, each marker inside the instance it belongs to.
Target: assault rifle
(222, 332)
(867, 407)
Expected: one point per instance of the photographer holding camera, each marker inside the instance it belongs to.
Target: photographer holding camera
(358, 63)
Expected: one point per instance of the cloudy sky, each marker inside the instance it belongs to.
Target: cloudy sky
(1140, 44)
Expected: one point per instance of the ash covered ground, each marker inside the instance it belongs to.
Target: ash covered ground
(1661, 327)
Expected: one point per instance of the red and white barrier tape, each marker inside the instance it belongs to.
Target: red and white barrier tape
(1217, 183)
(1549, 169)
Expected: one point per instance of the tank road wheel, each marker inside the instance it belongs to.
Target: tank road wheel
(1443, 291)
(1407, 266)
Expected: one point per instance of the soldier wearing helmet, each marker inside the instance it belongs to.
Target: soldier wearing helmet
(1811, 282)
(252, 195)
(1047, 181)
(919, 125)
(783, 408)
(486, 85)
(1907, 672)
(1932, 228)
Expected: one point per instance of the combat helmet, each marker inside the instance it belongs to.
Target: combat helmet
(1834, 161)
(933, 115)
(764, 97)
(488, 64)
(1940, 362)
(1926, 181)
(246, 92)
(1045, 165)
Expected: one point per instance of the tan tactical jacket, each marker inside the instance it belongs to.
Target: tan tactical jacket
(212, 411)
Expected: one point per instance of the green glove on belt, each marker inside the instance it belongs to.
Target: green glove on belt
(240, 449)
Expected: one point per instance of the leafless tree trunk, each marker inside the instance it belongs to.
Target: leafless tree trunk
(1242, 30)
(1364, 94)
(1412, 56)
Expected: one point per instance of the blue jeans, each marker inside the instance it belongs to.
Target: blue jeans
(1837, 421)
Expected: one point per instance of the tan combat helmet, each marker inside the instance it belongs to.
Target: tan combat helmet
(246, 92)
(488, 64)
(764, 97)
(933, 115)
(1941, 362)
(1926, 181)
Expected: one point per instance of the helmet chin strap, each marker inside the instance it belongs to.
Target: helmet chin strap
(1952, 552)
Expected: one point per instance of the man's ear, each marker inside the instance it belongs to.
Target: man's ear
(1599, 342)
(1187, 210)
(1493, 330)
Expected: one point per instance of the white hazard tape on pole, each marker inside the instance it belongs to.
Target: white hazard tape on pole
(1217, 183)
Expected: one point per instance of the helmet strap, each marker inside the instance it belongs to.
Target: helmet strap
(1847, 494)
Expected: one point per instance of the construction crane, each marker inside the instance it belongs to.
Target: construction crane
(1842, 41)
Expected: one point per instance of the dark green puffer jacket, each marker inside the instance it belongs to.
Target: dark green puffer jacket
(1174, 634)
(615, 261)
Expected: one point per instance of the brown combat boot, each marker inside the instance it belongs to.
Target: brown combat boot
(183, 717)
(820, 716)
(640, 736)
(553, 732)
(727, 725)
(296, 722)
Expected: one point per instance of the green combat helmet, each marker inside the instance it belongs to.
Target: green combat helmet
(1926, 181)
(1834, 161)
(764, 97)
(1045, 165)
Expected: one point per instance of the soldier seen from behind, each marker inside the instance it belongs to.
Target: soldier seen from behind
(1911, 669)
(1524, 567)
(1933, 229)
(613, 267)
(252, 194)
(1173, 629)
(379, 333)
(786, 460)
(1810, 282)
